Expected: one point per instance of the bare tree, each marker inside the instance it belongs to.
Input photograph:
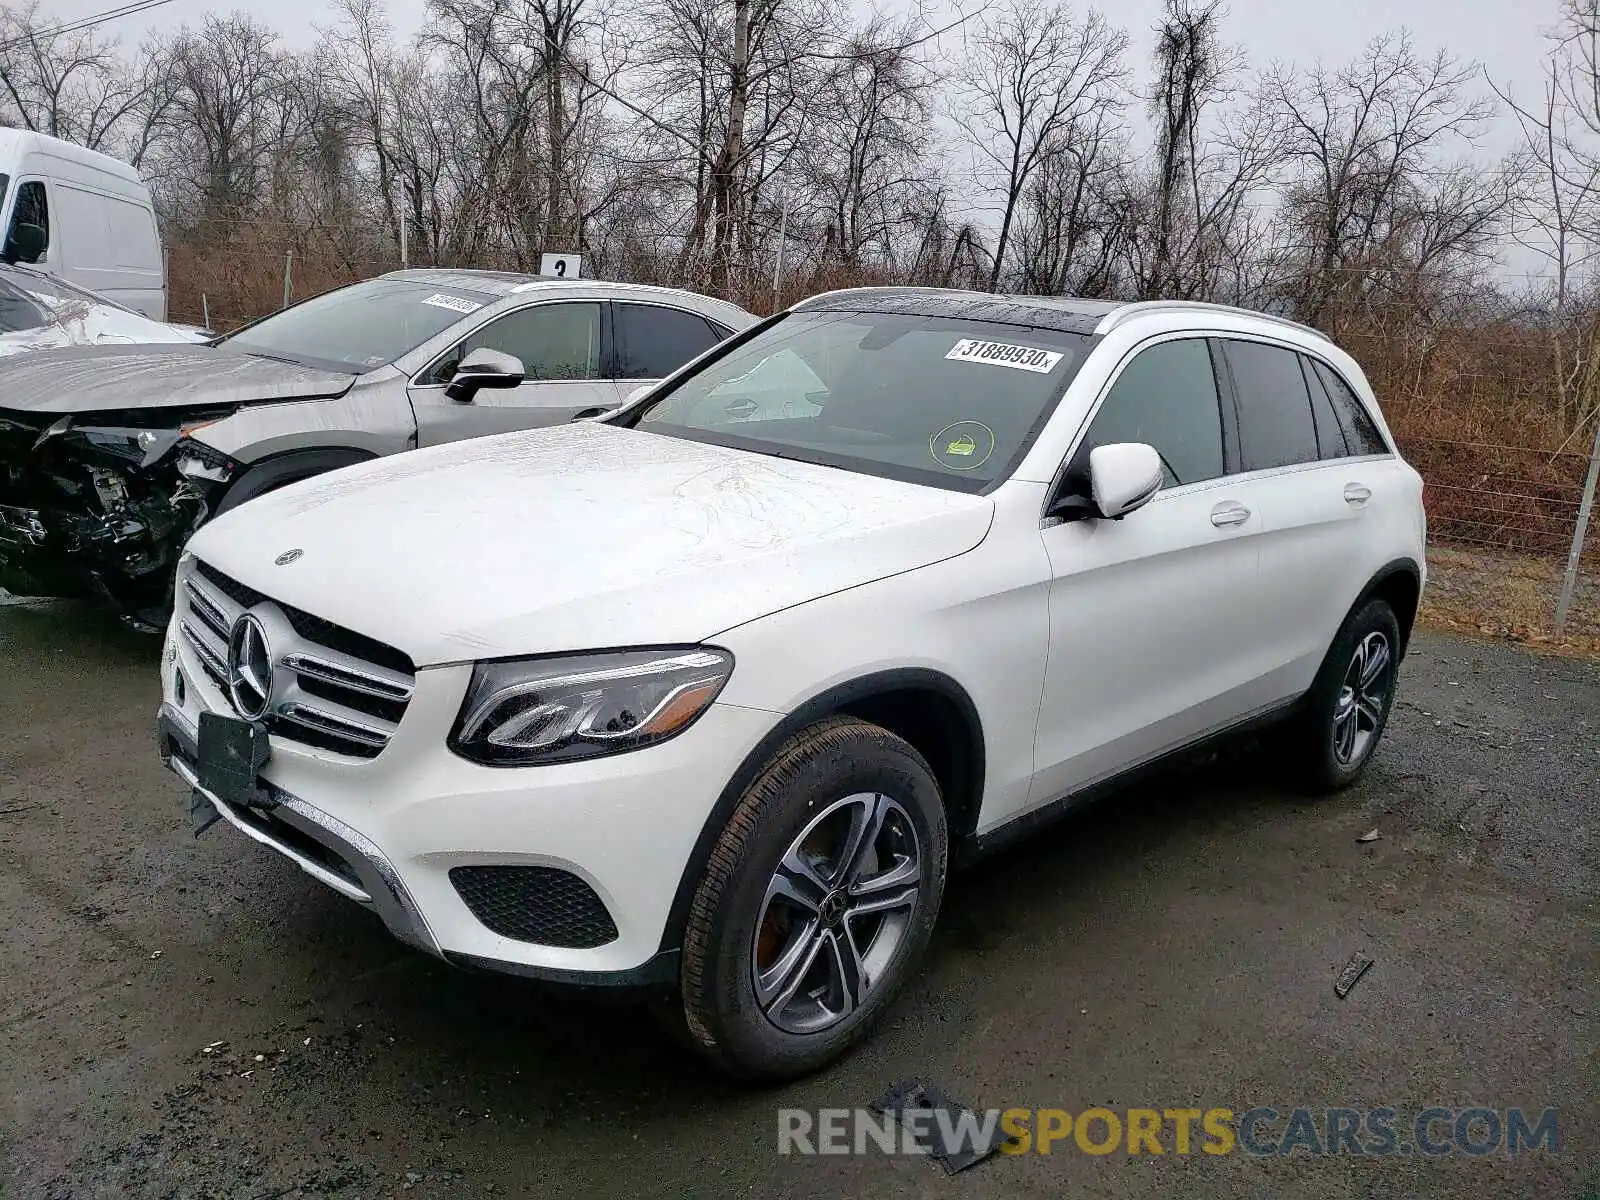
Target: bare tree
(1070, 229)
(1190, 66)
(1036, 81)
(1559, 208)
(229, 105)
(866, 154)
(78, 86)
(1368, 147)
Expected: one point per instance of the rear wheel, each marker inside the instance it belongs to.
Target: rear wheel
(1348, 706)
(816, 904)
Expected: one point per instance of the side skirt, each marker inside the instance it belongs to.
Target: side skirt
(980, 846)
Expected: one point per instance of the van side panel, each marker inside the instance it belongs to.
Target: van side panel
(109, 246)
(103, 233)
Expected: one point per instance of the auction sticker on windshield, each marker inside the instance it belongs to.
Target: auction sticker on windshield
(1001, 354)
(456, 303)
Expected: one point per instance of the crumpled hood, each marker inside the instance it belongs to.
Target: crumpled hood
(86, 379)
(86, 324)
(576, 537)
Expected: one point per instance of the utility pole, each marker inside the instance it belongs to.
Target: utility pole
(783, 240)
(1569, 581)
(405, 224)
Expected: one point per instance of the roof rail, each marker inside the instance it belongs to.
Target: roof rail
(1140, 308)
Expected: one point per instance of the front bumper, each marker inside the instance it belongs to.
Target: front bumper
(386, 832)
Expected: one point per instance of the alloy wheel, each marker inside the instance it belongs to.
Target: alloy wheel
(1358, 712)
(835, 912)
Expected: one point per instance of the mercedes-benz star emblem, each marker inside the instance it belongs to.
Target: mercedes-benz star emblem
(249, 669)
(287, 557)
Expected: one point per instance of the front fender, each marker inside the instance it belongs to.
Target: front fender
(375, 419)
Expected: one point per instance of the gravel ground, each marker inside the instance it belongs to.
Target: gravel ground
(1175, 947)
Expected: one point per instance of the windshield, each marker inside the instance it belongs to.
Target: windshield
(937, 400)
(361, 327)
(58, 293)
(17, 311)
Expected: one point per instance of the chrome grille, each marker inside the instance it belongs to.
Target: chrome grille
(332, 688)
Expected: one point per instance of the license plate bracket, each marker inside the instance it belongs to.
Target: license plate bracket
(230, 757)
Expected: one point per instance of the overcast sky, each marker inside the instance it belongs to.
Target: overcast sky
(1507, 36)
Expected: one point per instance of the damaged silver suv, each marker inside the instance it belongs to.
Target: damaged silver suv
(110, 457)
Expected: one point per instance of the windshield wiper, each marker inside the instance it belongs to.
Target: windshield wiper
(293, 362)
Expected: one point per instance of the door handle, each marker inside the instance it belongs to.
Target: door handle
(1229, 512)
(1356, 493)
(740, 408)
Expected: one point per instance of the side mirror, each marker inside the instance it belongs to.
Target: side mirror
(26, 244)
(484, 368)
(1124, 476)
(637, 393)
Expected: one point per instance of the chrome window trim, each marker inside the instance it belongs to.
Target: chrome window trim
(1173, 335)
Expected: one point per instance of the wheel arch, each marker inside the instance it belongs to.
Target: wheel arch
(286, 467)
(927, 708)
(1399, 582)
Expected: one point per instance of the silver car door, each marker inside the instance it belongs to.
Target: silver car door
(558, 344)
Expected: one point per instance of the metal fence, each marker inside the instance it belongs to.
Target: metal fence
(1520, 509)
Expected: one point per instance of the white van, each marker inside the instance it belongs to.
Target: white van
(83, 216)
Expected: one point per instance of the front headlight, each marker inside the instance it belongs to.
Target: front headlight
(544, 710)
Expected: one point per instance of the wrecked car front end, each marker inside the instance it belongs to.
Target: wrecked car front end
(101, 478)
(100, 504)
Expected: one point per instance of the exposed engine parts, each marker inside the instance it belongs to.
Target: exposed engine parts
(103, 503)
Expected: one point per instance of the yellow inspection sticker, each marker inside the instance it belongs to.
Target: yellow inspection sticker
(962, 446)
(1003, 354)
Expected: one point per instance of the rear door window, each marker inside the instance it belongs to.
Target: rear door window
(1276, 428)
(1166, 398)
(653, 341)
(1360, 430)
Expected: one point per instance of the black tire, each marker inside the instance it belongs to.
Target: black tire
(1325, 757)
(816, 782)
(280, 472)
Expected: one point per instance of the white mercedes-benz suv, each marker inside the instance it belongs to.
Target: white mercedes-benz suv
(708, 694)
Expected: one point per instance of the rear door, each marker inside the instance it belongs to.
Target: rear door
(1313, 493)
(653, 340)
(560, 347)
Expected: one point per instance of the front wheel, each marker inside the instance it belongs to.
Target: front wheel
(817, 902)
(1348, 706)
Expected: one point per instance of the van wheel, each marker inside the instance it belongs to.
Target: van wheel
(1347, 708)
(816, 904)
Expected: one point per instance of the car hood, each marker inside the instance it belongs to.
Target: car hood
(577, 537)
(85, 379)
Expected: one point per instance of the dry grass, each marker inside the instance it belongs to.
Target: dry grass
(1510, 596)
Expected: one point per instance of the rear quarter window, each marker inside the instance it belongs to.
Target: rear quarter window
(1360, 430)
